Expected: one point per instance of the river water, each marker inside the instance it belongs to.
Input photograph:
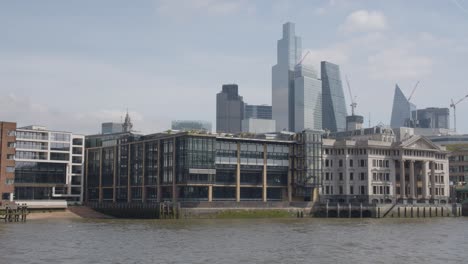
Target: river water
(436, 240)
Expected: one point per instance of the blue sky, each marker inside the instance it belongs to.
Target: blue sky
(71, 65)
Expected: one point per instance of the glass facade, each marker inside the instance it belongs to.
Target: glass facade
(307, 99)
(289, 53)
(257, 111)
(333, 103)
(201, 166)
(229, 110)
(188, 125)
(401, 111)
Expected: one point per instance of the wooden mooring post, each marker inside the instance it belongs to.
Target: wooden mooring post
(12, 212)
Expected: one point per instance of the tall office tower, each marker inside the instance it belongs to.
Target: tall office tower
(402, 108)
(289, 52)
(111, 128)
(49, 165)
(7, 160)
(432, 117)
(257, 111)
(333, 104)
(229, 109)
(307, 99)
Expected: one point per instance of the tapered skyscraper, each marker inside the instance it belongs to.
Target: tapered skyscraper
(289, 52)
(333, 105)
(401, 112)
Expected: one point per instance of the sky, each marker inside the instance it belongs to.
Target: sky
(71, 65)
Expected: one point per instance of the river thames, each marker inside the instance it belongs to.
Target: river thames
(436, 240)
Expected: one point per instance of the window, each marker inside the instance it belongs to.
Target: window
(363, 163)
(327, 176)
(341, 189)
(351, 189)
(351, 163)
(374, 188)
(11, 144)
(363, 190)
(363, 176)
(340, 163)
(351, 176)
(10, 156)
(341, 176)
(10, 169)
(387, 189)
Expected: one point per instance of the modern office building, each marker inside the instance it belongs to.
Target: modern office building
(307, 99)
(333, 101)
(7, 159)
(49, 165)
(229, 110)
(258, 126)
(188, 125)
(372, 166)
(111, 128)
(289, 53)
(432, 117)
(401, 111)
(257, 111)
(188, 167)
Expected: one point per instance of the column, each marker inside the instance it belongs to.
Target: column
(264, 186)
(210, 193)
(238, 174)
(129, 188)
(158, 180)
(114, 176)
(402, 180)
(433, 180)
(100, 175)
(85, 183)
(412, 181)
(174, 186)
(424, 180)
(143, 191)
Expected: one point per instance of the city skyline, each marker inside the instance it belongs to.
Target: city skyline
(44, 60)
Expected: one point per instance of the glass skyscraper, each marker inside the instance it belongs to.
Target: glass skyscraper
(402, 108)
(229, 109)
(257, 111)
(289, 52)
(333, 104)
(307, 99)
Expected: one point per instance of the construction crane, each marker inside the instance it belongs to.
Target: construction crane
(454, 106)
(353, 99)
(300, 62)
(412, 92)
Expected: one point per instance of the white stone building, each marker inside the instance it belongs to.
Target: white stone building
(365, 166)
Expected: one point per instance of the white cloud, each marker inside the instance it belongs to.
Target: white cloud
(397, 64)
(364, 21)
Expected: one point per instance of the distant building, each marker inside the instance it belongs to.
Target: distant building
(373, 166)
(229, 109)
(333, 101)
(401, 111)
(432, 117)
(258, 111)
(307, 99)
(110, 128)
(7, 159)
(258, 126)
(187, 125)
(289, 53)
(49, 164)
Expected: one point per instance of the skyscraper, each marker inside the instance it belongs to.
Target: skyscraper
(289, 52)
(432, 117)
(307, 99)
(257, 111)
(401, 112)
(333, 105)
(229, 109)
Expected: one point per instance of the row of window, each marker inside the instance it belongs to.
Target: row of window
(329, 190)
(361, 163)
(329, 176)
